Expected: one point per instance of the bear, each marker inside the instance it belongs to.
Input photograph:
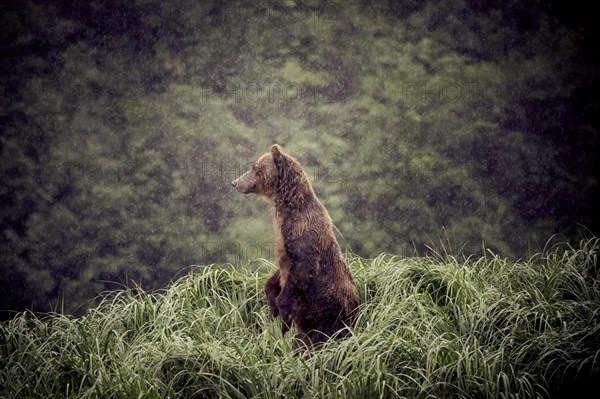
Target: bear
(313, 288)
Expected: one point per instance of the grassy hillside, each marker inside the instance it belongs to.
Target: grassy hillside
(428, 327)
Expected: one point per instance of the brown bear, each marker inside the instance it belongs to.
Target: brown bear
(313, 287)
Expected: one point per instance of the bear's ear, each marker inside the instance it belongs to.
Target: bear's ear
(278, 158)
(275, 151)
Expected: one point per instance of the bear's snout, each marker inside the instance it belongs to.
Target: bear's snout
(242, 185)
(236, 184)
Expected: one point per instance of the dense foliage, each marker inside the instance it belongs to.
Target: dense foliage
(123, 122)
(427, 327)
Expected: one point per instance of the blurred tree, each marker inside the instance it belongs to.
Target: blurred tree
(122, 124)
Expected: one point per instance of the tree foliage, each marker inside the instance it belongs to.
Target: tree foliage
(123, 122)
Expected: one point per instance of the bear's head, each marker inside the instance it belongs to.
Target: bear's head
(262, 177)
(277, 176)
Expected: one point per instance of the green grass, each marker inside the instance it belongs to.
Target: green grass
(428, 327)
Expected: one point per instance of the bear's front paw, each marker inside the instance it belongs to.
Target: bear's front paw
(286, 316)
(274, 311)
(286, 324)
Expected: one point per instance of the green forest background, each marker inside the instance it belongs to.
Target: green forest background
(469, 123)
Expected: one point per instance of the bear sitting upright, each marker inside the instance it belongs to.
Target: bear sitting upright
(313, 287)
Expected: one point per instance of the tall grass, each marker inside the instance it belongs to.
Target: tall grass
(428, 327)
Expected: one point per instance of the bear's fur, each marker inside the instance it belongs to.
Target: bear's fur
(313, 287)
